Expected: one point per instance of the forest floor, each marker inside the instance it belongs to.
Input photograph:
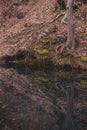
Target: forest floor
(31, 26)
(29, 34)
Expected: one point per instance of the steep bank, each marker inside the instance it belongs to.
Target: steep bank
(27, 31)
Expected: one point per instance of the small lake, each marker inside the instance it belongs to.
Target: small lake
(42, 99)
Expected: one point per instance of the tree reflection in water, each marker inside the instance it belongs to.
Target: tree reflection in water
(69, 121)
(32, 99)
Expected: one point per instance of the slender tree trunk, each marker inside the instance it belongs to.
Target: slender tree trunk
(70, 25)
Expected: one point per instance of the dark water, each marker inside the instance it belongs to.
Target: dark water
(41, 99)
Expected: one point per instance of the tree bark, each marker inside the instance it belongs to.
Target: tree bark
(70, 25)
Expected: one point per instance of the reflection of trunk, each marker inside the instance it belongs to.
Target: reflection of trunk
(69, 113)
(70, 27)
(68, 123)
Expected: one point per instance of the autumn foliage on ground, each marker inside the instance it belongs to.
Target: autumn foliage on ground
(30, 25)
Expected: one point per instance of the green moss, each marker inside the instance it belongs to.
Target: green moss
(36, 48)
(84, 58)
(42, 79)
(83, 81)
(42, 51)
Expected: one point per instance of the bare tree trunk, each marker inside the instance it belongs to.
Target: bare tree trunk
(70, 25)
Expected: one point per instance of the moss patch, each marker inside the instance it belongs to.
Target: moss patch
(84, 58)
(42, 52)
(42, 79)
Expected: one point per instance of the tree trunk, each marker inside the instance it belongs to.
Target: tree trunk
(70, 25)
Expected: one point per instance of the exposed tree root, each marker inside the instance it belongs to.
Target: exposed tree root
(57, 17)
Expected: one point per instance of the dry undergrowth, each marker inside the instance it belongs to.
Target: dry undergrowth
(24, 24)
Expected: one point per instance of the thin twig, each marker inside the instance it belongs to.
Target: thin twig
(58, 16)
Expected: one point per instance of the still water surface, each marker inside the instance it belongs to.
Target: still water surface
(41, 99)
